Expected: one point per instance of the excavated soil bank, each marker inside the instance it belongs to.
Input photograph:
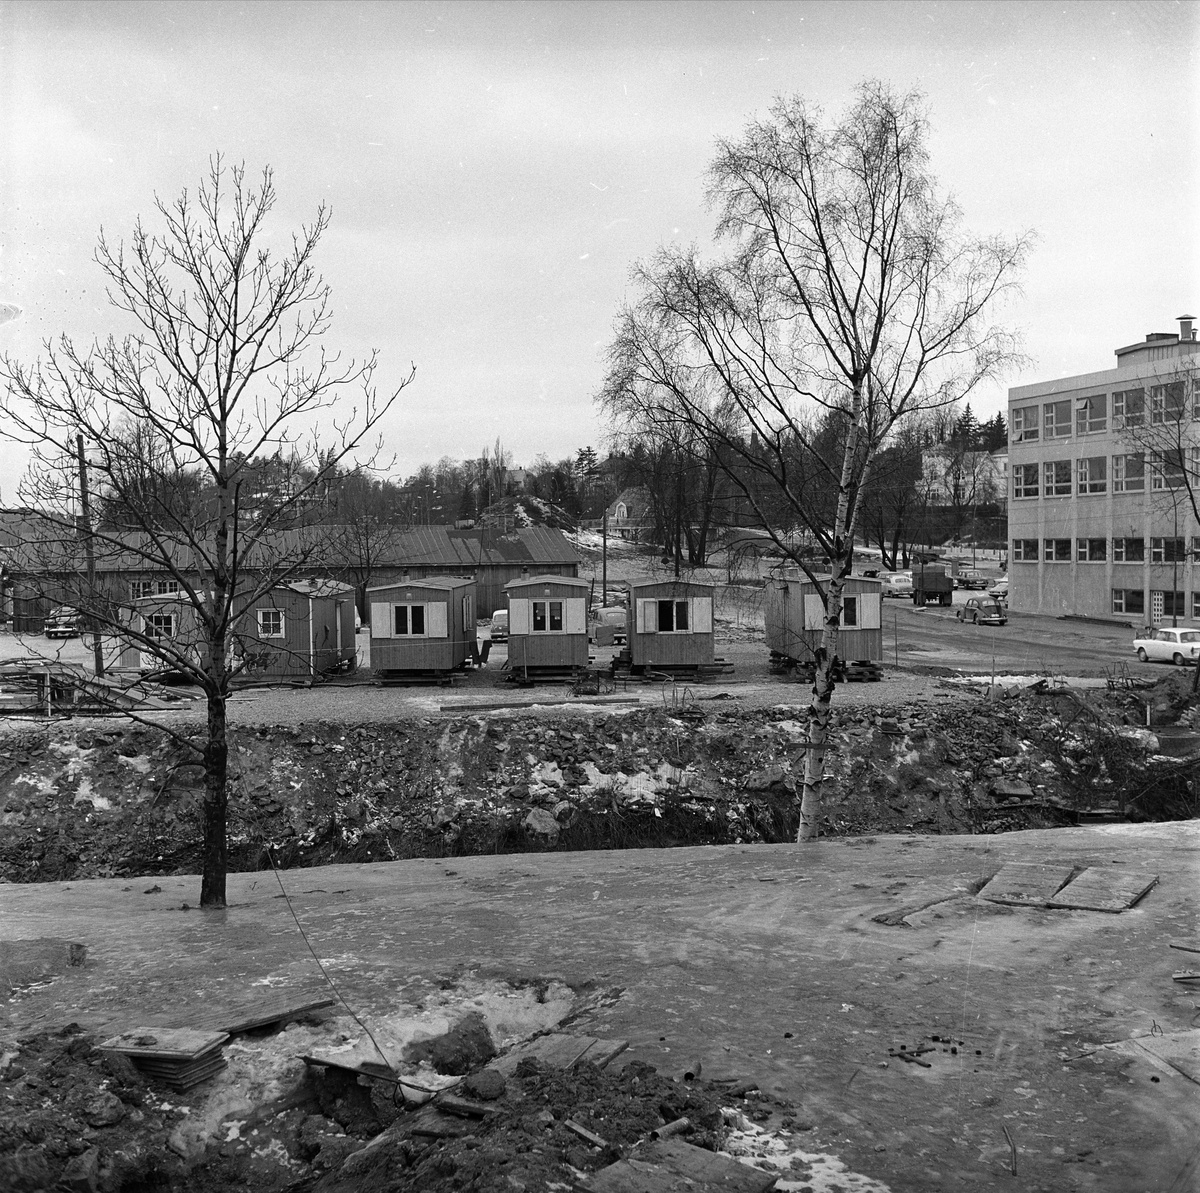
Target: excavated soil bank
(81, 802)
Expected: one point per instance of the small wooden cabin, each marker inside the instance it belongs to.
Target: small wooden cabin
(547, 626)
(422, 629)
(171, 617)
(795, 619)
(302, 628)
(671, 627)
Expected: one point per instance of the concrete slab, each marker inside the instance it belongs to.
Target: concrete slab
(689, 954)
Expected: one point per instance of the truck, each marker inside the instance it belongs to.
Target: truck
(932, 584)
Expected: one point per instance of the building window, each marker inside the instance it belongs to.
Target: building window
(410, 621)
(1091, 550)
(1169, 472)
(270, 623)
(849, 611)
(1091, 415)
(1024, 424)
(1093, 474)
(1195, 606)
(160, 625)
(547, 617)
(1129, 408)
(1056, 475)
(673, 616)
(1173, 604)
(1129, 473)
(146, 588)
(1129, 550)
(1167, 550)
(1128, 600)
(1168, 402)
(1057, 550)
(1056, 419)
(1025, 550)
(1025, 480)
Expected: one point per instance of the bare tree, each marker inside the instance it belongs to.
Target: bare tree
(850, 294)
(225, 377)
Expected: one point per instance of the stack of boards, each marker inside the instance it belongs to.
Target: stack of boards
(179, 1056)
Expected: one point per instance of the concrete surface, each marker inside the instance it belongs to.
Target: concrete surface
(761, 961)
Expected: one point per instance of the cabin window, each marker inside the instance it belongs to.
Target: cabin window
(270, 623)
(849, 611)
(547, 617)
(160, 625)
(410, 621)
(672, 617)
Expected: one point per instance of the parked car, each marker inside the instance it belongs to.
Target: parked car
(64, 622)
(983, 610)
(499, 630)
(611, 616)
(999, 590)
(969, 579)
(896, 584)
(1179, 646)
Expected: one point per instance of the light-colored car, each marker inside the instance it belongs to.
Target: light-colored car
(63, 622)
(1179, 646)
(999, 590)
(896, 584)
(499, 628)
(982, 611)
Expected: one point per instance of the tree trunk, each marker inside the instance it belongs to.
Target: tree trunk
(827, 652)
(216, 802)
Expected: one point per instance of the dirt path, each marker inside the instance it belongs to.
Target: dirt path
(764, 962)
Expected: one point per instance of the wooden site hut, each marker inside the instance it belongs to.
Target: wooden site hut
(795, 619)
(169, 616)
(422, 629)
(670, 627)
(547, 625)
(302, 628)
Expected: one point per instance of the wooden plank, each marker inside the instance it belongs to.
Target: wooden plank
(602, 1052)
(1186, 946)
(165, 1043)
(246, 1016)
(1104, 888)
(1180, 1050)
(1026, 884)
(555, 1051)
(673, 1166)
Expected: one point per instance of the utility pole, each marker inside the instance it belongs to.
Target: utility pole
(88, 546)
(604, 561)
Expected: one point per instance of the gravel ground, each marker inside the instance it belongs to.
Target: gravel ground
(361, 701)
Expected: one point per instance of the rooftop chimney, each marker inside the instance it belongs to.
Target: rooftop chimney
(1185, 327)
(524, 573)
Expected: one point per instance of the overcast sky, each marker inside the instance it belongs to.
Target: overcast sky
(495, 169)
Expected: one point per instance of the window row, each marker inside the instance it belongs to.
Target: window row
(138, 589)
(1096, 550)
(1162, 604)
(1093, 474)
(1153, 405)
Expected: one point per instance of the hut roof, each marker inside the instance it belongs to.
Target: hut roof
(447, 583)
(646, 581)
(524, 581)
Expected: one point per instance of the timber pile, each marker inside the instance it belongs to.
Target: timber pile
(178, 1056)
(40, 687)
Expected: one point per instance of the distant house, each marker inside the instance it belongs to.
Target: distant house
(630, 515)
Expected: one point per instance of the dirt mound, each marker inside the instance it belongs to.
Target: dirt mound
(127, 801)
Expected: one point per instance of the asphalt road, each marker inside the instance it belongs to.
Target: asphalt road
(933, 636)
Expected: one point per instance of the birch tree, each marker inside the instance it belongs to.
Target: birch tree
(848, 293)
(223, 382)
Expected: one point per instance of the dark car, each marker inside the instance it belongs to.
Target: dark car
(982, 611)
(64, 622)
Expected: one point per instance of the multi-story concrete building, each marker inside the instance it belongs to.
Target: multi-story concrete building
(1102, 469)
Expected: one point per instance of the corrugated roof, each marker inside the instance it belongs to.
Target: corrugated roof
(44, 547)
(551, 579)
(444, 583)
